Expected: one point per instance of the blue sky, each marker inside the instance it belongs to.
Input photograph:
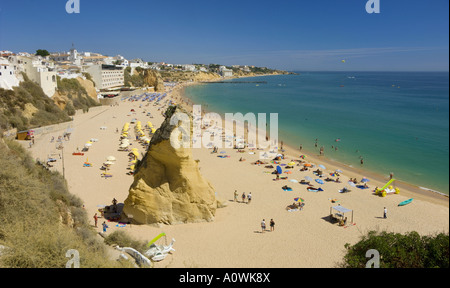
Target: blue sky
(408, 35)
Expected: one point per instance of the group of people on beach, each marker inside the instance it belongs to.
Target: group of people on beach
(244, 197)
(271, 223)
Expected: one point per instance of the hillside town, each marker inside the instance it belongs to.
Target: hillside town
(106, 72)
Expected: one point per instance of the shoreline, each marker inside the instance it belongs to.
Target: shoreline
(307, 235)
(406, 188)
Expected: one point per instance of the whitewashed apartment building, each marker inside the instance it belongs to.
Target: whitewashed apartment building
(106, 76)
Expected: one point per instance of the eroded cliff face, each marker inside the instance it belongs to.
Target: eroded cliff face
(168, 187)
(153, 79)
(61, 99)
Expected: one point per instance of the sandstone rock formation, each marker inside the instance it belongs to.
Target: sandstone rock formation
(85, 94)
(168, 187)
(153, 79)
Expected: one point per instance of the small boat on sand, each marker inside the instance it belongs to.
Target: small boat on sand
(406, 202)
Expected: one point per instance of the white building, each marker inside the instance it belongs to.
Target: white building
(37, 70)
(60, 57)
(188, 67)
(8, 78)
(225, 72)
(106, 76)
(138, 63)
(122, 61)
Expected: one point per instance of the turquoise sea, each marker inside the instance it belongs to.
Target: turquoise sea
(396, 121)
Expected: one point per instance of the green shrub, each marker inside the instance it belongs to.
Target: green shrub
(124, 240)
(396, 250)
(34, 206)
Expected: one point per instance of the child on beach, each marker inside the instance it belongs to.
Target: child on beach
(104, 226)
(272, 225)
(249, 197)
(263, 225)
(243, 197)
(235, 195)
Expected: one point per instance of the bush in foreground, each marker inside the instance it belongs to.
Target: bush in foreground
(396, 250)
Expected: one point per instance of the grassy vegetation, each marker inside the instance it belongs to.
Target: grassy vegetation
(124, 240)
(135, 80)
(40, 219)
(77, 94)
(396, 250)
(12, 105)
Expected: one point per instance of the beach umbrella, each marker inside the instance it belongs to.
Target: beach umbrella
(365, 180)
(279, 170)
(108, 163)
(321, 166)
(307, 165)
(291, 163)
(88, 144)
(320, 181)
(308, 178)
(111, 158)
(338, 171)
(298, 199)
(293, 181)
(153, 130)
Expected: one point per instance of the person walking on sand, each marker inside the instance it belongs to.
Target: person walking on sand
(272, 225)
(385, 213)
(263, 225)
(235, 195)
(243, 197)
(95, 219)
(104, 226)
(249, 197)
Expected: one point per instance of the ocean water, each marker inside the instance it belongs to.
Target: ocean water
(396, 121)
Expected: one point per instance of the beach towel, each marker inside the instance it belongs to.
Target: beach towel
(314, 190)
(288, 189)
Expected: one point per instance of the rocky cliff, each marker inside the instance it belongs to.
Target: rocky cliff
(153, 79)
(168, 187)
(76, 93)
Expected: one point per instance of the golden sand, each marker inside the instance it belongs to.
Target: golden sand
(234, 240)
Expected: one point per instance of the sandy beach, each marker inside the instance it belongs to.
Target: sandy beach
(234, 239)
